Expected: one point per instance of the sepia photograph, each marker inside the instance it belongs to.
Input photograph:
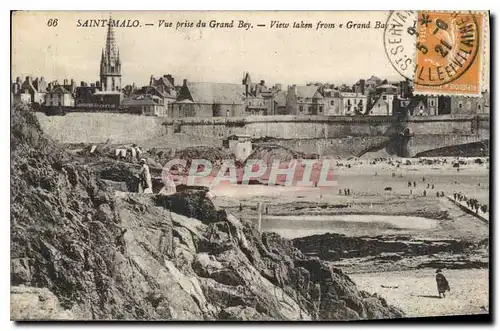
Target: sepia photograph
(250, 165)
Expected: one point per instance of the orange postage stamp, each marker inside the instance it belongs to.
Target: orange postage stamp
(441, 52)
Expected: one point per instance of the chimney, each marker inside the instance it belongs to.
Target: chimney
(18, 80)
(65, 82)
(93, 85)
(262, 82)
(82, 83)
(362, 86)
(184, 81)
(28, 79)
(171, 79)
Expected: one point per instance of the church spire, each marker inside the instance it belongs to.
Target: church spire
(111, 49)
(110, 61)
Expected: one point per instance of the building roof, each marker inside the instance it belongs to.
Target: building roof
(107, 92)
(307, 91)
(148, 90)
(184, 101)
(331, 93)
(59, 90)
(139, 102)
(165, 86)
(386, 86)
(374, 78)
(352, 95)
(221, 93)
(379, 101)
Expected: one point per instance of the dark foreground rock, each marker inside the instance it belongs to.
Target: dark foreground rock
(102, 255)
(394, 252)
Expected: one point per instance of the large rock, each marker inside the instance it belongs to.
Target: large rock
(103, 255)
(37, 304)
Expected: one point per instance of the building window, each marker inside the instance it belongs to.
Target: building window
(432, 102)
(479, 106)
(309, 109)
(349, 102)
(332, 102)
(421, 107)
(384, 97)
(460, 105)
(301, 108)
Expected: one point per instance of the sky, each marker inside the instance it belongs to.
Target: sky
(286, 56)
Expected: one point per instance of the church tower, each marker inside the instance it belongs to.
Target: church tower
(111, 67)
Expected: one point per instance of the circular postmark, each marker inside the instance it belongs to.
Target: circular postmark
(431, 48)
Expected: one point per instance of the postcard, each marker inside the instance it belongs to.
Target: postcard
(250, 165)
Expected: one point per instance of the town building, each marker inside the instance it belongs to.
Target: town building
(304, 100)
(332, 102)
(352, 103)
(468, 106)
(371, 84)
(165, 85)
(203, 99)
(129, 90)
(84, 94)
(383, 106)
(149, 101)
(259, 99)
(145, 104)
(400, 106)
(280, 102)
(421, 105)
(60, 94)
(387, 88)
(30, 91)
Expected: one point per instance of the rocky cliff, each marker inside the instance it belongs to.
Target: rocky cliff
(98, 254)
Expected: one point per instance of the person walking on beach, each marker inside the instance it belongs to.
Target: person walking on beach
(442, 283)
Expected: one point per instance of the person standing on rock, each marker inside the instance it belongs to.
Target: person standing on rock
(145, 184)
(442, 283)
